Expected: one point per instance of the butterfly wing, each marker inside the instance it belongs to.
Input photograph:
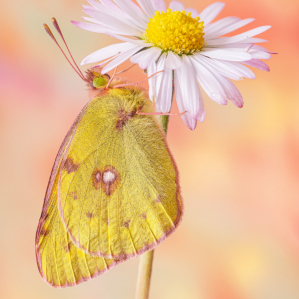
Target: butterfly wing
(60, 263)
(118, 189)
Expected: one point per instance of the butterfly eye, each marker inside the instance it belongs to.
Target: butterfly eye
(99, 82)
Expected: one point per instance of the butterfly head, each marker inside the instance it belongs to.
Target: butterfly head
(97, 83)
(96, 80)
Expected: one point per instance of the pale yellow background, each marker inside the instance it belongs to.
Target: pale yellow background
(239, 170)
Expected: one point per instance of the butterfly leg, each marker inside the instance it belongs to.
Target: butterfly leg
(131, 84)
(112, 77)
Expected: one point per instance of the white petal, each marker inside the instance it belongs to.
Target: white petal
(146, 57)
(208, 81)
(160, 67)
(97, 28)
(235, 46)
(147, 7)
(230, 28)
(164, 98)
(99, 6)
(214, 27)
(250, 48)
(94, 21)
(187, 76)
(107, 52)
(188, 94)
(122, 16)
(112, 6)
(137, 7)
(201, 113)
(120, 59)
(259, 55)
(112, 22)
(137, 42)
(155, 81)
(133, 11)
(176, 6)
(194, 12)
(211, 12)
(238, 68)
(261, 65)
(173, 61)
(230, 90)
(159, 5)
(189, 121)
(252, 40)
(260, 48)
(152, 81)
(237, 38)
(221, 68)
(226, 54)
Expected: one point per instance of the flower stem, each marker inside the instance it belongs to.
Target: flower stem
(144, 275)
(164, 121)
(146, 260)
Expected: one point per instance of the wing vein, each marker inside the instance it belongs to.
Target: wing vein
(142, 153)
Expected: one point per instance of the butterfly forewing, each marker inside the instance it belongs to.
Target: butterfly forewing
(118, 188)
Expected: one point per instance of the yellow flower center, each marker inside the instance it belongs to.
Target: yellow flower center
(175, 31)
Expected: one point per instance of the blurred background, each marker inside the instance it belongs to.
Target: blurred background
(239, 170)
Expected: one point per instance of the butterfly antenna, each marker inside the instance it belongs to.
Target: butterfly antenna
(128, 84)
(55, 23)
(48, 30)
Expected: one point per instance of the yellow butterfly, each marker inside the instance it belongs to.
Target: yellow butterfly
(113, 193)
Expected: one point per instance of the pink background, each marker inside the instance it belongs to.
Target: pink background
(239, 170)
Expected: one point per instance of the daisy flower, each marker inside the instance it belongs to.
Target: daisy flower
(182, 43)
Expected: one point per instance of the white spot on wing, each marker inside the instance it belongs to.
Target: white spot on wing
(108, 177)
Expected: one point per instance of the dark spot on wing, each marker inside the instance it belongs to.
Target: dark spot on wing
(74, 195)
(70, 166)
(106, 178)
(126, 223)
(97, 179)
(143, 215)
(67, 247)
(44, 232)
(158, 200)
(89, 215)
(124, 116)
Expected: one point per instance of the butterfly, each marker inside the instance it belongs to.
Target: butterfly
(114, 190)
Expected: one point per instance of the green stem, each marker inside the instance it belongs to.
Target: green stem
(164, 121)
(146, 260)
